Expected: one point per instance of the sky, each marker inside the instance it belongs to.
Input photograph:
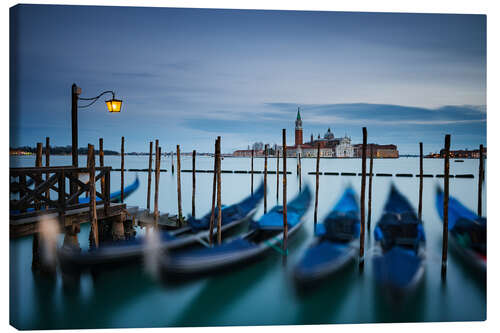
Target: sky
(187, 76)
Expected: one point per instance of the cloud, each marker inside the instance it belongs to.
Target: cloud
(135, 74)
(380, 114)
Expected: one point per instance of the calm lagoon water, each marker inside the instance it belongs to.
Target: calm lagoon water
(262, 293)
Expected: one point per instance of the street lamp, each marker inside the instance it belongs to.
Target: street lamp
(114, 105)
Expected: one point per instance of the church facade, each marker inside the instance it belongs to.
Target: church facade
(329, 146)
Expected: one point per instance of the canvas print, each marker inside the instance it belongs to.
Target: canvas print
(183, 167)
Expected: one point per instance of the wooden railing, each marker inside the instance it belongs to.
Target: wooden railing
(55, 190)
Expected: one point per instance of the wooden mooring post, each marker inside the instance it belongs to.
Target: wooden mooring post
(251, 172)
(172, 160)
(445, 204)
(94, 232)
(219, 194)
(277, 174)
(101, 163)
(38, 164)
(148, 202)
(265, 178)
(370, 190)
(285, 221)
(122, 169)
(421, 181)
(317, 188)
(179, 197)
(214, 189)
(299, 172)
(362, 203)
(47, 164)
(87, 192)
(480, 182)
(36, 260)
(157, 182)
(193, 208)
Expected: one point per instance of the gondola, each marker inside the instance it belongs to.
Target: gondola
(398, 258)
(134, 249)
(467, 231)
(264, 236)
(336, 242)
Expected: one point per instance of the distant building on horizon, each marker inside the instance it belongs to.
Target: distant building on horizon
(465, 153)
(379, 151)
(329, 146)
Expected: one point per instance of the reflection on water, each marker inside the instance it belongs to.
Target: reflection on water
(261, 293)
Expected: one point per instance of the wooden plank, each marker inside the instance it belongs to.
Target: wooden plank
(147, 219)
(464, 176)
(37, 170)
(28, 226)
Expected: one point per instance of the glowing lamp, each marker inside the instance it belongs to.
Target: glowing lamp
(114, 105)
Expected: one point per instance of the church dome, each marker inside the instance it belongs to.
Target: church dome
(329, 135)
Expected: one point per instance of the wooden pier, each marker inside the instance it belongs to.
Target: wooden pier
(29, 206)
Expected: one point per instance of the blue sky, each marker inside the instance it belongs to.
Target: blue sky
(188, 75)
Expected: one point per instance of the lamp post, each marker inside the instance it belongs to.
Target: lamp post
(114, 105)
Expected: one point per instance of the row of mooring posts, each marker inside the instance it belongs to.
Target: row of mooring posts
(216, 194)
(156, 212)
(216, 190)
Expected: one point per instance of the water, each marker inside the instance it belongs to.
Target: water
(262, 293)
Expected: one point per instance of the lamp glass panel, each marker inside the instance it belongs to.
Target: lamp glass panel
(114, 105)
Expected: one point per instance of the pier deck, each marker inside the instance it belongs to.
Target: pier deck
(55, 195)
(25, 226)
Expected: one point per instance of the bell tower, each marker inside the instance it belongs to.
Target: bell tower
(298, 129)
